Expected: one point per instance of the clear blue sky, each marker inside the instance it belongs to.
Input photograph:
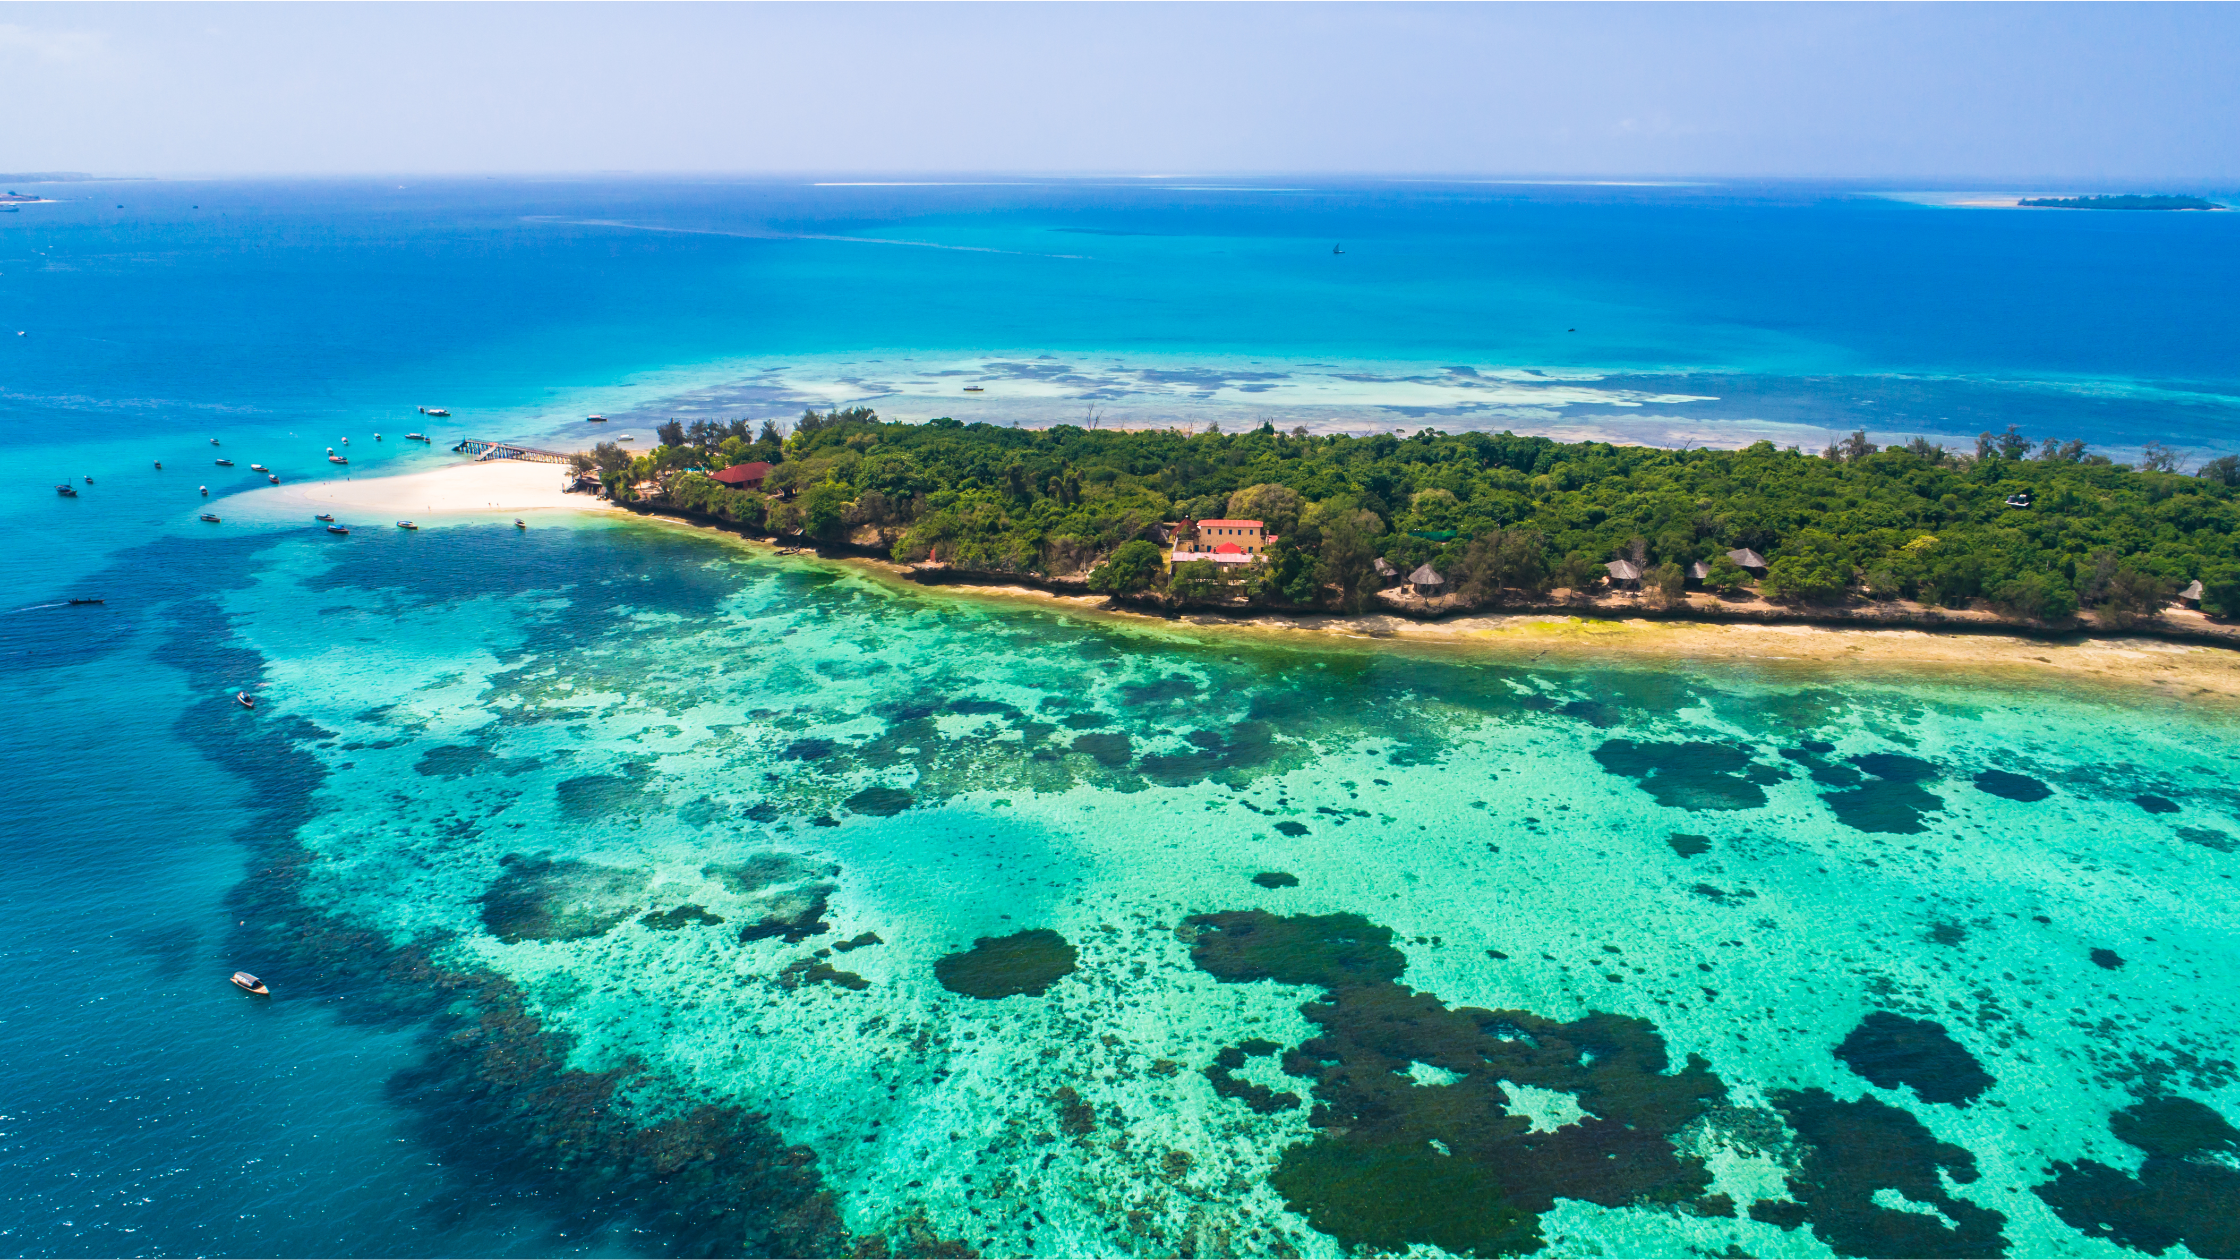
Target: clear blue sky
(2083, 92)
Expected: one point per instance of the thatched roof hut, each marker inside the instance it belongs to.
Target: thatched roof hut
(1386, 574)
(1624, 573)
(1699, 572)
(2191, 595)
(1744, 558)
(1427, 581)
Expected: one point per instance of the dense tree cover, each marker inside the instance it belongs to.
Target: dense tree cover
(1501, 516)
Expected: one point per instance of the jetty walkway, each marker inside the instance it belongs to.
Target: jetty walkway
(487, 450)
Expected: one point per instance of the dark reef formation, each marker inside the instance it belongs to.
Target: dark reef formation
(879, 802)
(1026, 963)
(543, 899)
(1259, 1098)
(790, 891)
(1688, 846)
(1691, 776)
(1398, 1163)
(1892, 1050)
(1891, 801)
(2011, 786)
(1852, 1150)
(1276, 879)
(2187, 1189)
(683, 916)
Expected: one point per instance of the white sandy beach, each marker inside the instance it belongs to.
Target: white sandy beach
(497, 486)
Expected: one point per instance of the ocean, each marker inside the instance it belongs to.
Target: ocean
(625, 891)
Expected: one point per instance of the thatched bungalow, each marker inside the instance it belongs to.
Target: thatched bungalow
(1625, 574)
(1427, 582)
(1699, 572)
(1386, 574)
(1744, 558)
(2191, 595)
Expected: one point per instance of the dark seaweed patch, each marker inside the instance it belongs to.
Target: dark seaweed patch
(2156, 804)
(853, 943)
(1258, 1098)
(537, 899)
(2186, 1190)
(683, 916)
(880, 802)
(456, 761)
(2207, 839)
(809, 750)
(1892, 1050)
(1894, 801)
(1854, 1149)
(803, 971)
(1084, 721)
(1163, 691)
(2013, 787)
(1109, 748)
(1690, 776)
(1688, 846)
(1397, 1163)
(1291, 828)
(2106, 959)
(1026, 962)
(1276, 879)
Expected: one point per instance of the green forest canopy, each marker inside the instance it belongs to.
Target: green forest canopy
(1528, 513)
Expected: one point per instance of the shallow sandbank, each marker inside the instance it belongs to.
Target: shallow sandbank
(496, 486)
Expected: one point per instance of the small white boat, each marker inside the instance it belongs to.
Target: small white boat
(211, 517)
(225, 463)
(213, 441)
(594, 419)
(247, 983)
(205, 491)
(246, 700)
(337, 459)
(159, 465)
(976, 389)
(346, 441)
(273, 480)
(418, 437)
(324, 516)
(376, 437)
(260, 468)
(406, 525)
(433, 411)
(338, 529)
(625, 438)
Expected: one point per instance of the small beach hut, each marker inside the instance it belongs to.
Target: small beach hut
(1699, 572)
(1744, 558)
(1624, 573)
(2191, 595)
(1386, 574)
(1427, 582)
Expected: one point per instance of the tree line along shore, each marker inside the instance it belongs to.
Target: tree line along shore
(2040, 533)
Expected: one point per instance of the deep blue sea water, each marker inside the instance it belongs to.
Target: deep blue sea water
(645, 720)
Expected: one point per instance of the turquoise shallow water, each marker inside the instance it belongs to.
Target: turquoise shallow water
(550, 841)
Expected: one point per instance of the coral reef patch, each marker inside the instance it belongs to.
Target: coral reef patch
(1688, 846)
(1892, 1050)
(789, 892)
(879, 802)
(2187, 1190)
(1854, 1151)
(1276, 879)
(1261, 1099)
(542, 899)
(1691, 776)
(683, 916)
(1023, 963)
(1893, 800)
(2007, 785)
(1399, 1162)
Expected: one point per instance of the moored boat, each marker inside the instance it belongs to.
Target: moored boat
(324, 516)
(211, 517)
(159, 465)
(246, 700)
(518, 523)
(66, 490)
(89, 481)
(338, 529)
(406, 525)
(89, 601)
(976, 389)
(225, 463)
(418, 437)
(594, 419)
(247, 983)
(433, 411)
(338, 459)
(260, 468)
(273, 480)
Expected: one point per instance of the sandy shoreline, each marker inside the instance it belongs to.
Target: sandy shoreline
(495, 487)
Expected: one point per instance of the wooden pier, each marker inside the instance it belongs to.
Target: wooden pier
(486, 450)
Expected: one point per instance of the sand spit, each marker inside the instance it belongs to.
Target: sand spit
(496, 486)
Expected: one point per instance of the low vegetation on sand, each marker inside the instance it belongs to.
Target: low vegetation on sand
(2034, 530)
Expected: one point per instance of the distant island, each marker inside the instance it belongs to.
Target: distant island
(2128, 201)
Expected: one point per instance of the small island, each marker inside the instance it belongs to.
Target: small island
(2127, 201)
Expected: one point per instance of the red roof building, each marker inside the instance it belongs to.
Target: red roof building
(744, 476)
(1223, 542)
